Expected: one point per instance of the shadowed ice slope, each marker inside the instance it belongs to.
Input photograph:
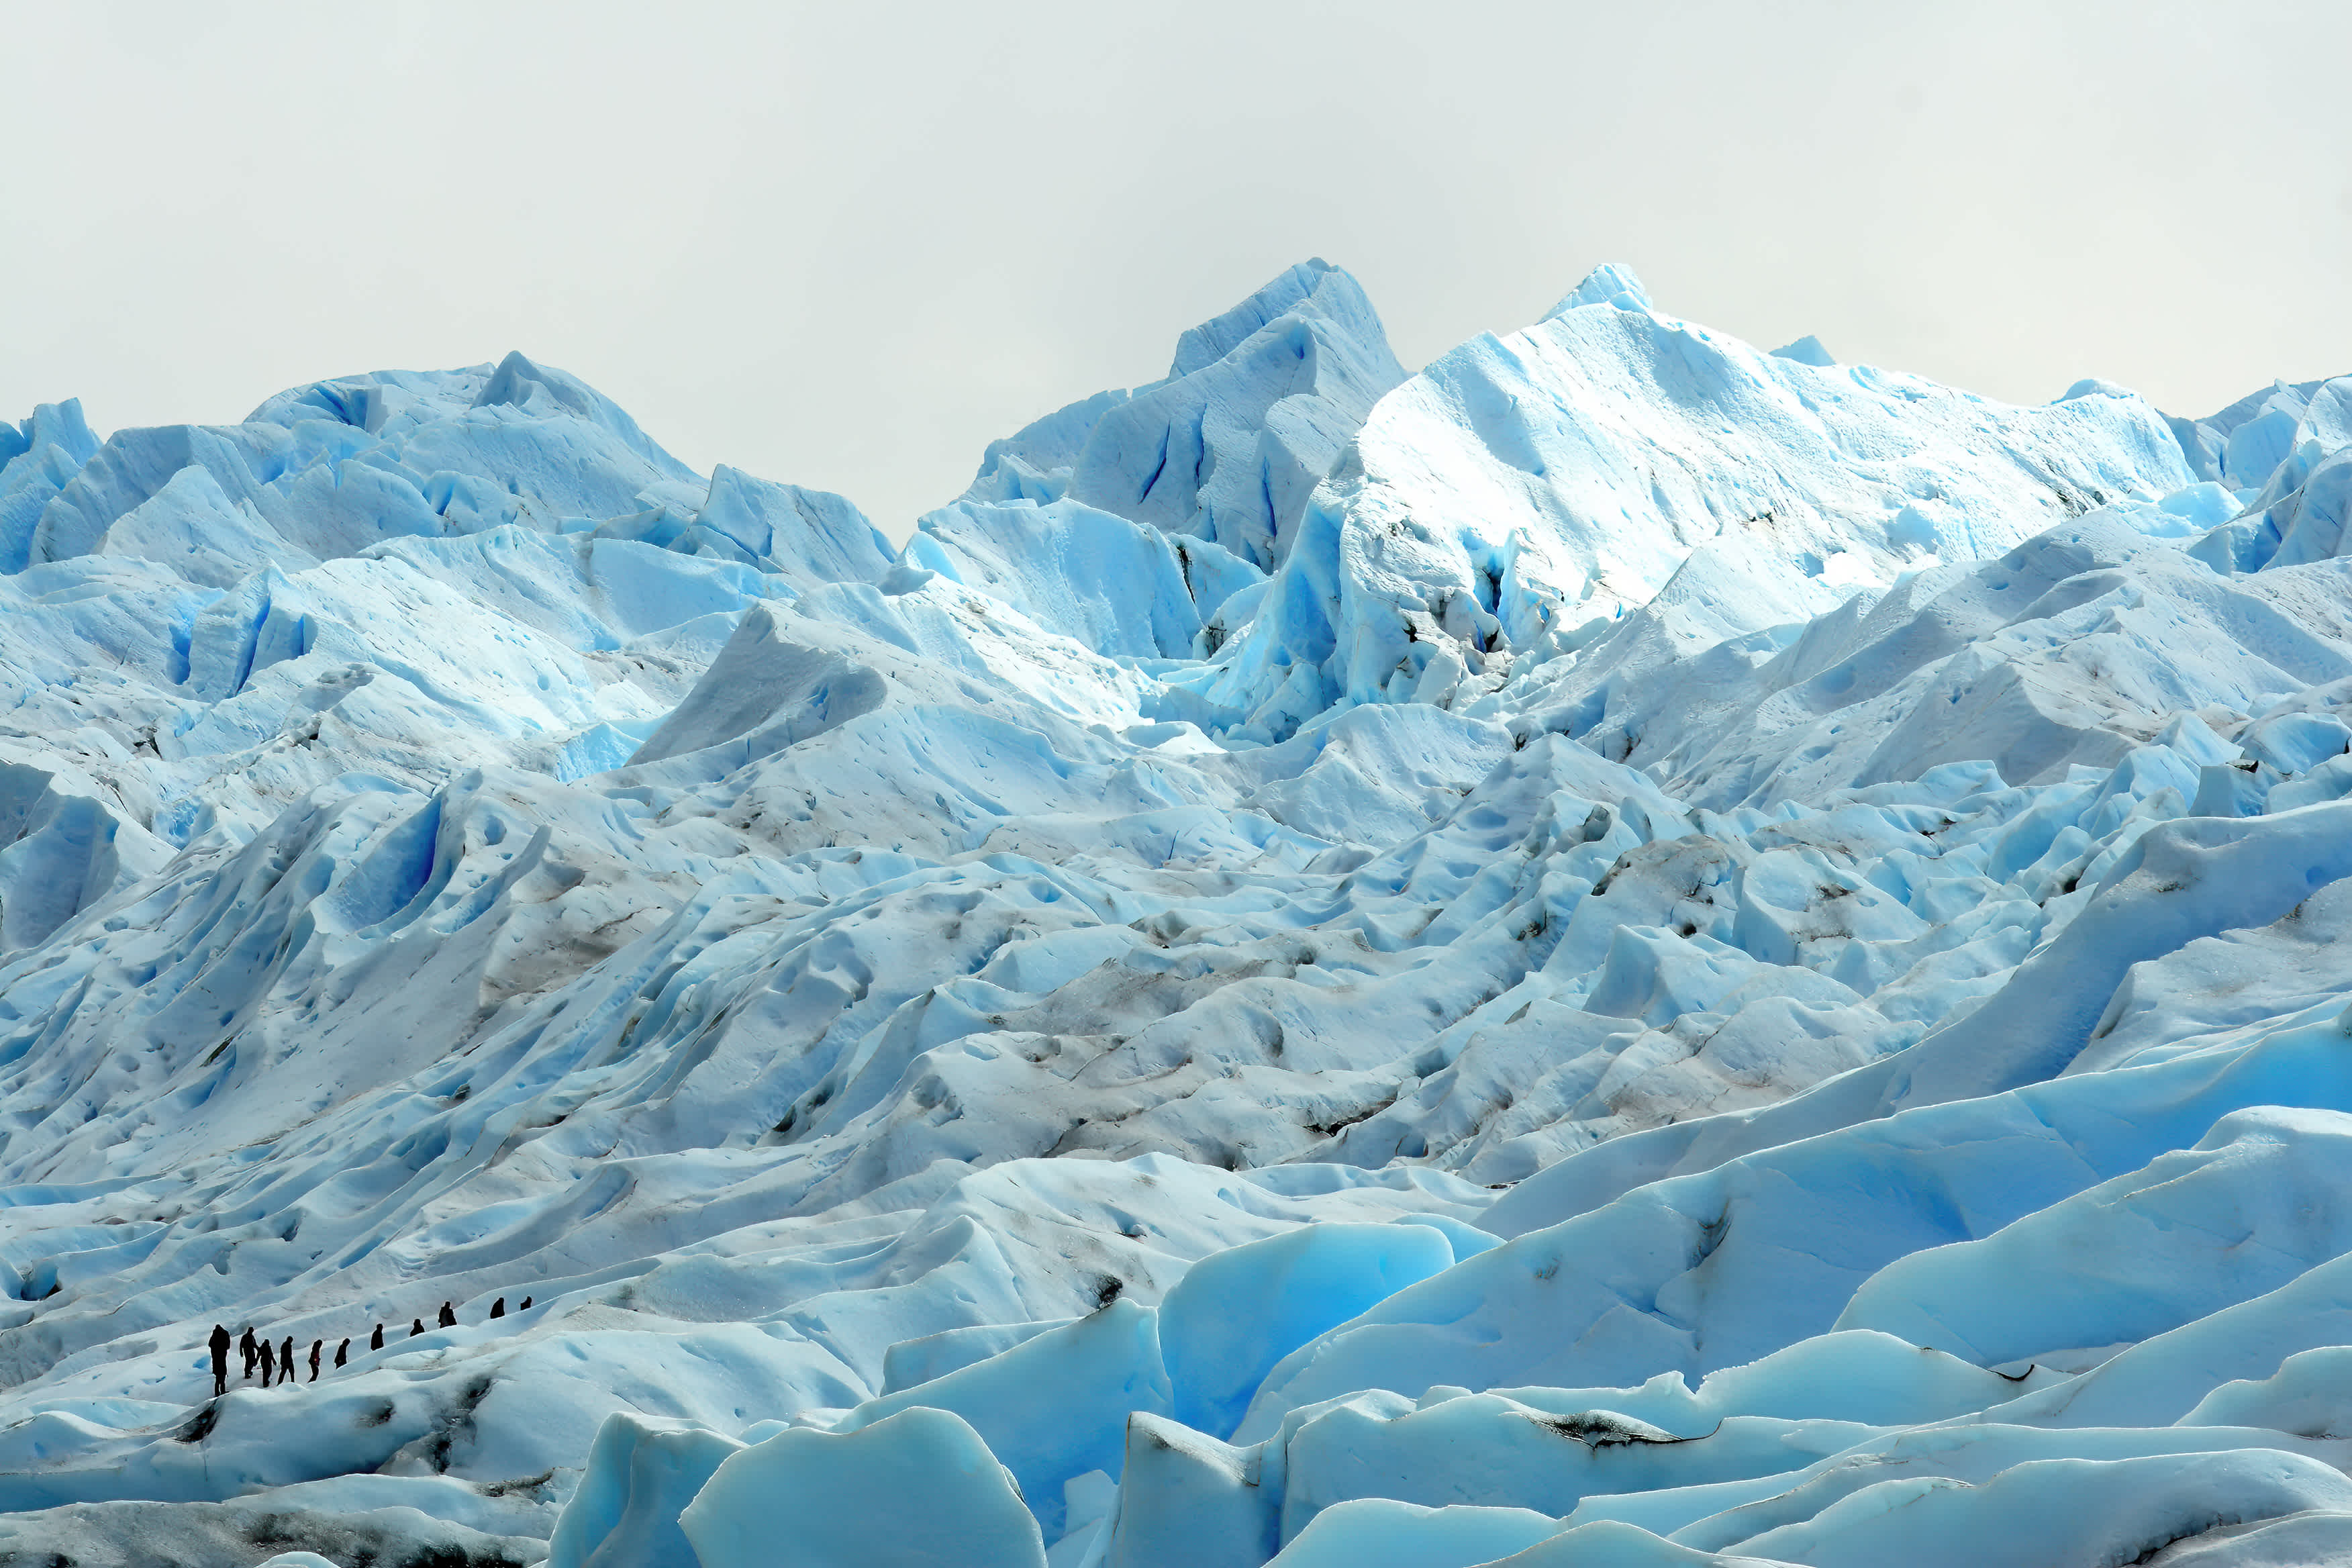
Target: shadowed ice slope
(1620, 950)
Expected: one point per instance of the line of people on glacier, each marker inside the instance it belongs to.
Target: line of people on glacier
(277, 1361)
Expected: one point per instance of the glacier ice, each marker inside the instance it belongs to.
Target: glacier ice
(1622, 950)
(917, 1488)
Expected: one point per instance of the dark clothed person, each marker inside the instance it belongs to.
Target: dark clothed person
(268, 1363)
(343, 1352)
(448, 1316)
(526, 1305)
(375, 1340)
(249, 1349)
(499, 1308)
(415, 1327)
(285, 1360)
(316, 1346)
(219, 1344)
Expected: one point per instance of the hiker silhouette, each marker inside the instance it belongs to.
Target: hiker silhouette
(449, 1317)
(526, 1305)
(499, 1308)
(285, 1360)
(316, 1346)
(375, 1340)
(219, 1344)
(268, 1363)
(249, 1349)
(343, 1354)
(415, 1327)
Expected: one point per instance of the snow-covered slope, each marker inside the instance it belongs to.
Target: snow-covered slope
(1622, 951)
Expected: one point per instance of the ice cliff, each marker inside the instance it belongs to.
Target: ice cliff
(1622, 951)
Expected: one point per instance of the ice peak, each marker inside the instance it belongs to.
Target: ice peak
(52, 425)
(518, 381)
(1312, 287)
(1225, 451)
(1611, 283)
(1807, 350)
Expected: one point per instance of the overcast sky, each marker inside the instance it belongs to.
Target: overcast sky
(847, 245)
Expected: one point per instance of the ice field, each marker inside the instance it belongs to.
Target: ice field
(1621, 951)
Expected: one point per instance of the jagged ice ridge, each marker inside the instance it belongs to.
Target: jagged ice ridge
(1620, 950)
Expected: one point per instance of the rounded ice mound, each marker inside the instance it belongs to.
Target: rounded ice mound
(1611, 283)
(1238, 1312)
(2049, 1511)
(1377, 1532)
(916, 1490)
(640, 1473)
(2094, 386)
(764, 694)
(2310, 1394)
(1807, 350)
(1612, 1543)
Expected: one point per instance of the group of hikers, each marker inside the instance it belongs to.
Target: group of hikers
(276, 1362)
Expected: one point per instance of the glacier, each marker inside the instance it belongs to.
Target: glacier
(1620, 950)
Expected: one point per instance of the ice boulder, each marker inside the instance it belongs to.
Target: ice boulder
(1613, 1543)
(2300, 1538)
(1053, 1407)
(1807, 350)
(2194, 1231)
(2297, 520)
(2309, 1395)
(919, 1490)
(1188, 1499)
(536, 390)
(37, 459)
(63, 847)
(640, 1473)
(1117, 586)
(912, 1362)
(1238, 1312)
(763, 693)
(192, 526)
(2244, 442)
(1258, 404)
(1611, 283)
(1544, 1449)
(2052, 1510)
(2162, 1381)
(1378, 1532)
(810, 536)
(1226, 448)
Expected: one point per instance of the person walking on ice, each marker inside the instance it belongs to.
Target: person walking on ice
(316, 1346)
(219, 1344)
(249, 1350)
(268, 1363)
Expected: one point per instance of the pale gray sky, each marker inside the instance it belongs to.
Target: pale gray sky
(847, 245)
